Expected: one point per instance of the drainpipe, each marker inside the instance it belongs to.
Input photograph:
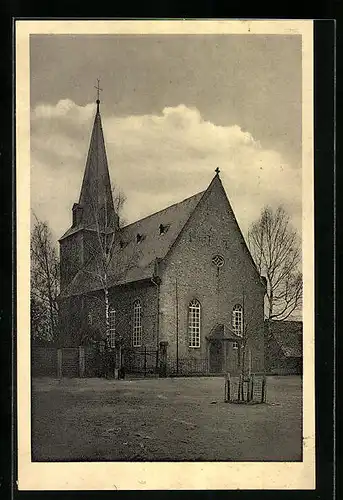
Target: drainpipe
(157, 284)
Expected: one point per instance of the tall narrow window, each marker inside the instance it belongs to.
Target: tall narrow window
(112, 319)
(194, 323)
(137, 324)
(237, 320)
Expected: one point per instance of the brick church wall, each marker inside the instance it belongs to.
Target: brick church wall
(211, 230)
(71, 257)
(81, 315)
(122, 299)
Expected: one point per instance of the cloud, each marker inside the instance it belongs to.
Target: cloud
(156, 160)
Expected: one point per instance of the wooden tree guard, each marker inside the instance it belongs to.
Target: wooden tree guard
(59, 363)
(227, 388)
(247, 389)
(264, 390)
(251, 394)
(81, 361)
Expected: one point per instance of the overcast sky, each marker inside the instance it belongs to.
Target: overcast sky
(173, 109)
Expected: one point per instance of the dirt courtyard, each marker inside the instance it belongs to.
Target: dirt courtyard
(172, 419)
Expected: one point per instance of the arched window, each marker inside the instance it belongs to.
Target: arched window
(137, 324)
(112, 320)
(237, 320)
(194, 309)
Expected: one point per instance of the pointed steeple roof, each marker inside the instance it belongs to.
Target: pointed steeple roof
(96, 193)
(95, 201)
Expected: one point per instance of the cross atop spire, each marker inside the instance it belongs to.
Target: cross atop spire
(97, 87)
(217, 170)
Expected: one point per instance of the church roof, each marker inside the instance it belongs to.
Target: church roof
(138, 247)
(134, 260)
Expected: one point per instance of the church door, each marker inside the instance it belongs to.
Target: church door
(216, 356)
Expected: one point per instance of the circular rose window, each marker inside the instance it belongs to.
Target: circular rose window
(218, 260)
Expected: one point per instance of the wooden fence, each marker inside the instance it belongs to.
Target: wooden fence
(67, 362)
(88, 361)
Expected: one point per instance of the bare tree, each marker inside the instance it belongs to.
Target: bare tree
(108, 224)
(44, 282)
(106, 228)
(276, 249)
(119, 200)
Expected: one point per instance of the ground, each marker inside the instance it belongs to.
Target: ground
(172, 419)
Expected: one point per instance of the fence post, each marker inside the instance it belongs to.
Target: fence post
(252, 387)
(163, 359)
(144, 360)
(81, 361)
(249, 362)
(241, 380)
(59, 363)
(263, 392)
(157, 360)
(227, 388)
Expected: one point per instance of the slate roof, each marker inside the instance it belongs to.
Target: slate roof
(96, 185)
(132, 261)
(289, 336)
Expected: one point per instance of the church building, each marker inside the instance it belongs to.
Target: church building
(180, 282)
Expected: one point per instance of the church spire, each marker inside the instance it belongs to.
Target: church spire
(96, 200)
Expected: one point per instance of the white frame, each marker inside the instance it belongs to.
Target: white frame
(237, 320)
(137, 324)
(112, 323)
(194, 323)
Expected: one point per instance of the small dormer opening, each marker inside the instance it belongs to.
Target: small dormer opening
(163, 228)
(139, 237)
(77, 214)
(123, 243)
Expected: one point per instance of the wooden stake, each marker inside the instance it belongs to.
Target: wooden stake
(59, 363)
(81, 361)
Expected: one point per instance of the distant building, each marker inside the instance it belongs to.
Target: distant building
(284, 347)
(181, 279)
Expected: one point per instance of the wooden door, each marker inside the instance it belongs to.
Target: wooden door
(216, 356)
